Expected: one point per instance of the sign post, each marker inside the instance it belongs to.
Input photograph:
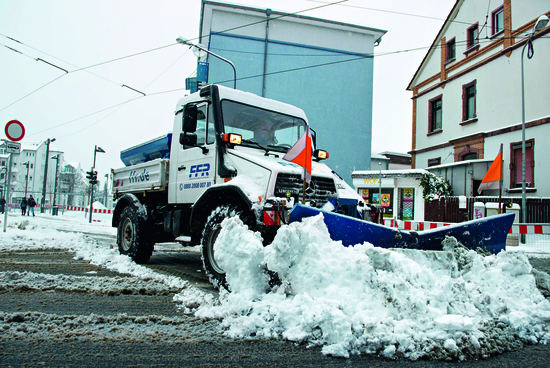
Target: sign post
(15, 131)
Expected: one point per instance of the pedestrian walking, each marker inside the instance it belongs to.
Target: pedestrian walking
(31, 203)
(2, 204)
(24, 206)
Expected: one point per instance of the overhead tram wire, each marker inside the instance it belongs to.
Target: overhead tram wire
(44, 61)
(120, 106)
(196, 38)
(242, 78)
(54, 57)
(255, 76)
(393, 12)
(238, 27)
(85, 116)
(132, 55)
(151, 50)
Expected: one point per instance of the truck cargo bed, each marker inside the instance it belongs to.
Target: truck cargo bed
(148, 176)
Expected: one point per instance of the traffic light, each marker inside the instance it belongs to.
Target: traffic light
(92, 177)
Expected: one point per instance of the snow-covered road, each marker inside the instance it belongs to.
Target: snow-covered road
(349, 301)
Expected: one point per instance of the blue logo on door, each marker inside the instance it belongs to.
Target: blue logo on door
(199, 171)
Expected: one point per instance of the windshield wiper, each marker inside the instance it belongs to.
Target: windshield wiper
(266, 149)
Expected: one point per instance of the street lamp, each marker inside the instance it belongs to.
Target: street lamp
(56, 158)
(5, 169)
(541, 23)
(380, 184)
(26, 177)
(183, 41)
(106, 179)
(96, 150)
(47, 142)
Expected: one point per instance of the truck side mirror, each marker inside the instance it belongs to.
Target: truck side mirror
(190, 118)
(313, 136)
(188, 139)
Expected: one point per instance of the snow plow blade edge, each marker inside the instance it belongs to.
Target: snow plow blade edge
(488, 233)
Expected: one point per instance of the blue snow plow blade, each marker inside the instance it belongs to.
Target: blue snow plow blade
(487, 233)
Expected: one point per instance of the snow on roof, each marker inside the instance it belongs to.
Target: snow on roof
(410, 173)
(395, 154)
(30, 146)
(461, 163)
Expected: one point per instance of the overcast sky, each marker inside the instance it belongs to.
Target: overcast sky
(94, 42)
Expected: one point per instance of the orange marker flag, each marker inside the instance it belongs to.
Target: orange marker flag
(493, 177)
(300, 154)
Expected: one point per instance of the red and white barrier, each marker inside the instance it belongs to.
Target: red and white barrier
(86, 209)
(530, 229)
(68, 208)
(425, 225)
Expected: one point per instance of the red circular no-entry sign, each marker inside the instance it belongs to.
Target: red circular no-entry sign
(15, 131)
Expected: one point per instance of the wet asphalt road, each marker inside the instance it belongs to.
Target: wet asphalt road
(194, 352)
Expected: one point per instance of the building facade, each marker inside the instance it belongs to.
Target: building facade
(66, 182)
(321, 66)
(467, 97)
(28, 171)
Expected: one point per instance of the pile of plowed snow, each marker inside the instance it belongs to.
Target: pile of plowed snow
(410, 304)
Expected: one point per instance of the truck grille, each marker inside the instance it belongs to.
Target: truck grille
(317, 193)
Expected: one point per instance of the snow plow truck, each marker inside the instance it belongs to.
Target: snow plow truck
(224, 158)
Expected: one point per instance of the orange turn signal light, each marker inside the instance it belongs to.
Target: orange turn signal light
(232, 138)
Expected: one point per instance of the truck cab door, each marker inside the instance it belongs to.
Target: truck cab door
(196, 169)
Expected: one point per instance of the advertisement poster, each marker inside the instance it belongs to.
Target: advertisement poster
(385, 200)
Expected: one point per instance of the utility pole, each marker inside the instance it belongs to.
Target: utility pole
(54, 209)
(48, 141)
(27, 177)
(92, 177)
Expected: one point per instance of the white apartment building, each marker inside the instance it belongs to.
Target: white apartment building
(467, 97)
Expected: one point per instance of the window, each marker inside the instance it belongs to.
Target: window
(469, 101)
(264, 127)
(451, 50)
(201, 125)
(435, 114)
(473, 36)
(203, 136)
(516, 163)
(434, 161)
(497, 20)
(470, 156)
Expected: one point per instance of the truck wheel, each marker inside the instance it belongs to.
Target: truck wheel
(213, 270)
(132, 236)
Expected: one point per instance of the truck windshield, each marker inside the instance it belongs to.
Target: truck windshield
(258, 126)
